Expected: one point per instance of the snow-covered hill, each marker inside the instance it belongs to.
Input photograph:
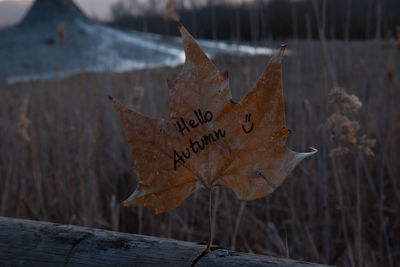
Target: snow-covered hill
(57, 40)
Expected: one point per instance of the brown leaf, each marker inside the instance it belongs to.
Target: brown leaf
(209, 139)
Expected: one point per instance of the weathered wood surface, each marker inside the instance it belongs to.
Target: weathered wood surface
(32, 243)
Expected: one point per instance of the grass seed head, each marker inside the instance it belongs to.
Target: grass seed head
(344, 102)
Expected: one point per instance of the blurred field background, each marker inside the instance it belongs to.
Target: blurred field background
(64, 157)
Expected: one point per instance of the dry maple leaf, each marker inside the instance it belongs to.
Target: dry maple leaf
(209, 139)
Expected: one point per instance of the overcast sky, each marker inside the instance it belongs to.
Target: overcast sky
(11, 11)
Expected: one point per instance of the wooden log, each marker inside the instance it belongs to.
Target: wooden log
(32, 243)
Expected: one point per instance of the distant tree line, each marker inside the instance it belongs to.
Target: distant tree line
(269, 19)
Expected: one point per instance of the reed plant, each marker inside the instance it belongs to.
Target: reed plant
(64, 158)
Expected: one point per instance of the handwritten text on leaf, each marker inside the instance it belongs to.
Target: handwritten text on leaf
(209, 139)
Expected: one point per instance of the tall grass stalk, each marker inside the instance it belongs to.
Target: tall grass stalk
(76, 165)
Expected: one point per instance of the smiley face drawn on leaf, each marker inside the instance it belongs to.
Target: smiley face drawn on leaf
(245, 127)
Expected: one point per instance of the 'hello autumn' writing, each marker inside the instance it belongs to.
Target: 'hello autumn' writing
(195, 146)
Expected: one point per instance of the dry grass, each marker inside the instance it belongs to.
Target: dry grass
(64, 159)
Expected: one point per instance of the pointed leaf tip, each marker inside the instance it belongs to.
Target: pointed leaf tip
(312, 152)
(277, 58)
(282, 50)
(179, 25)
(125, 203)
(194, 55)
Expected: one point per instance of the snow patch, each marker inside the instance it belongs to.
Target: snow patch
(118, 51)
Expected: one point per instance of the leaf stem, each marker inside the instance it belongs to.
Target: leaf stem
(208, 249)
